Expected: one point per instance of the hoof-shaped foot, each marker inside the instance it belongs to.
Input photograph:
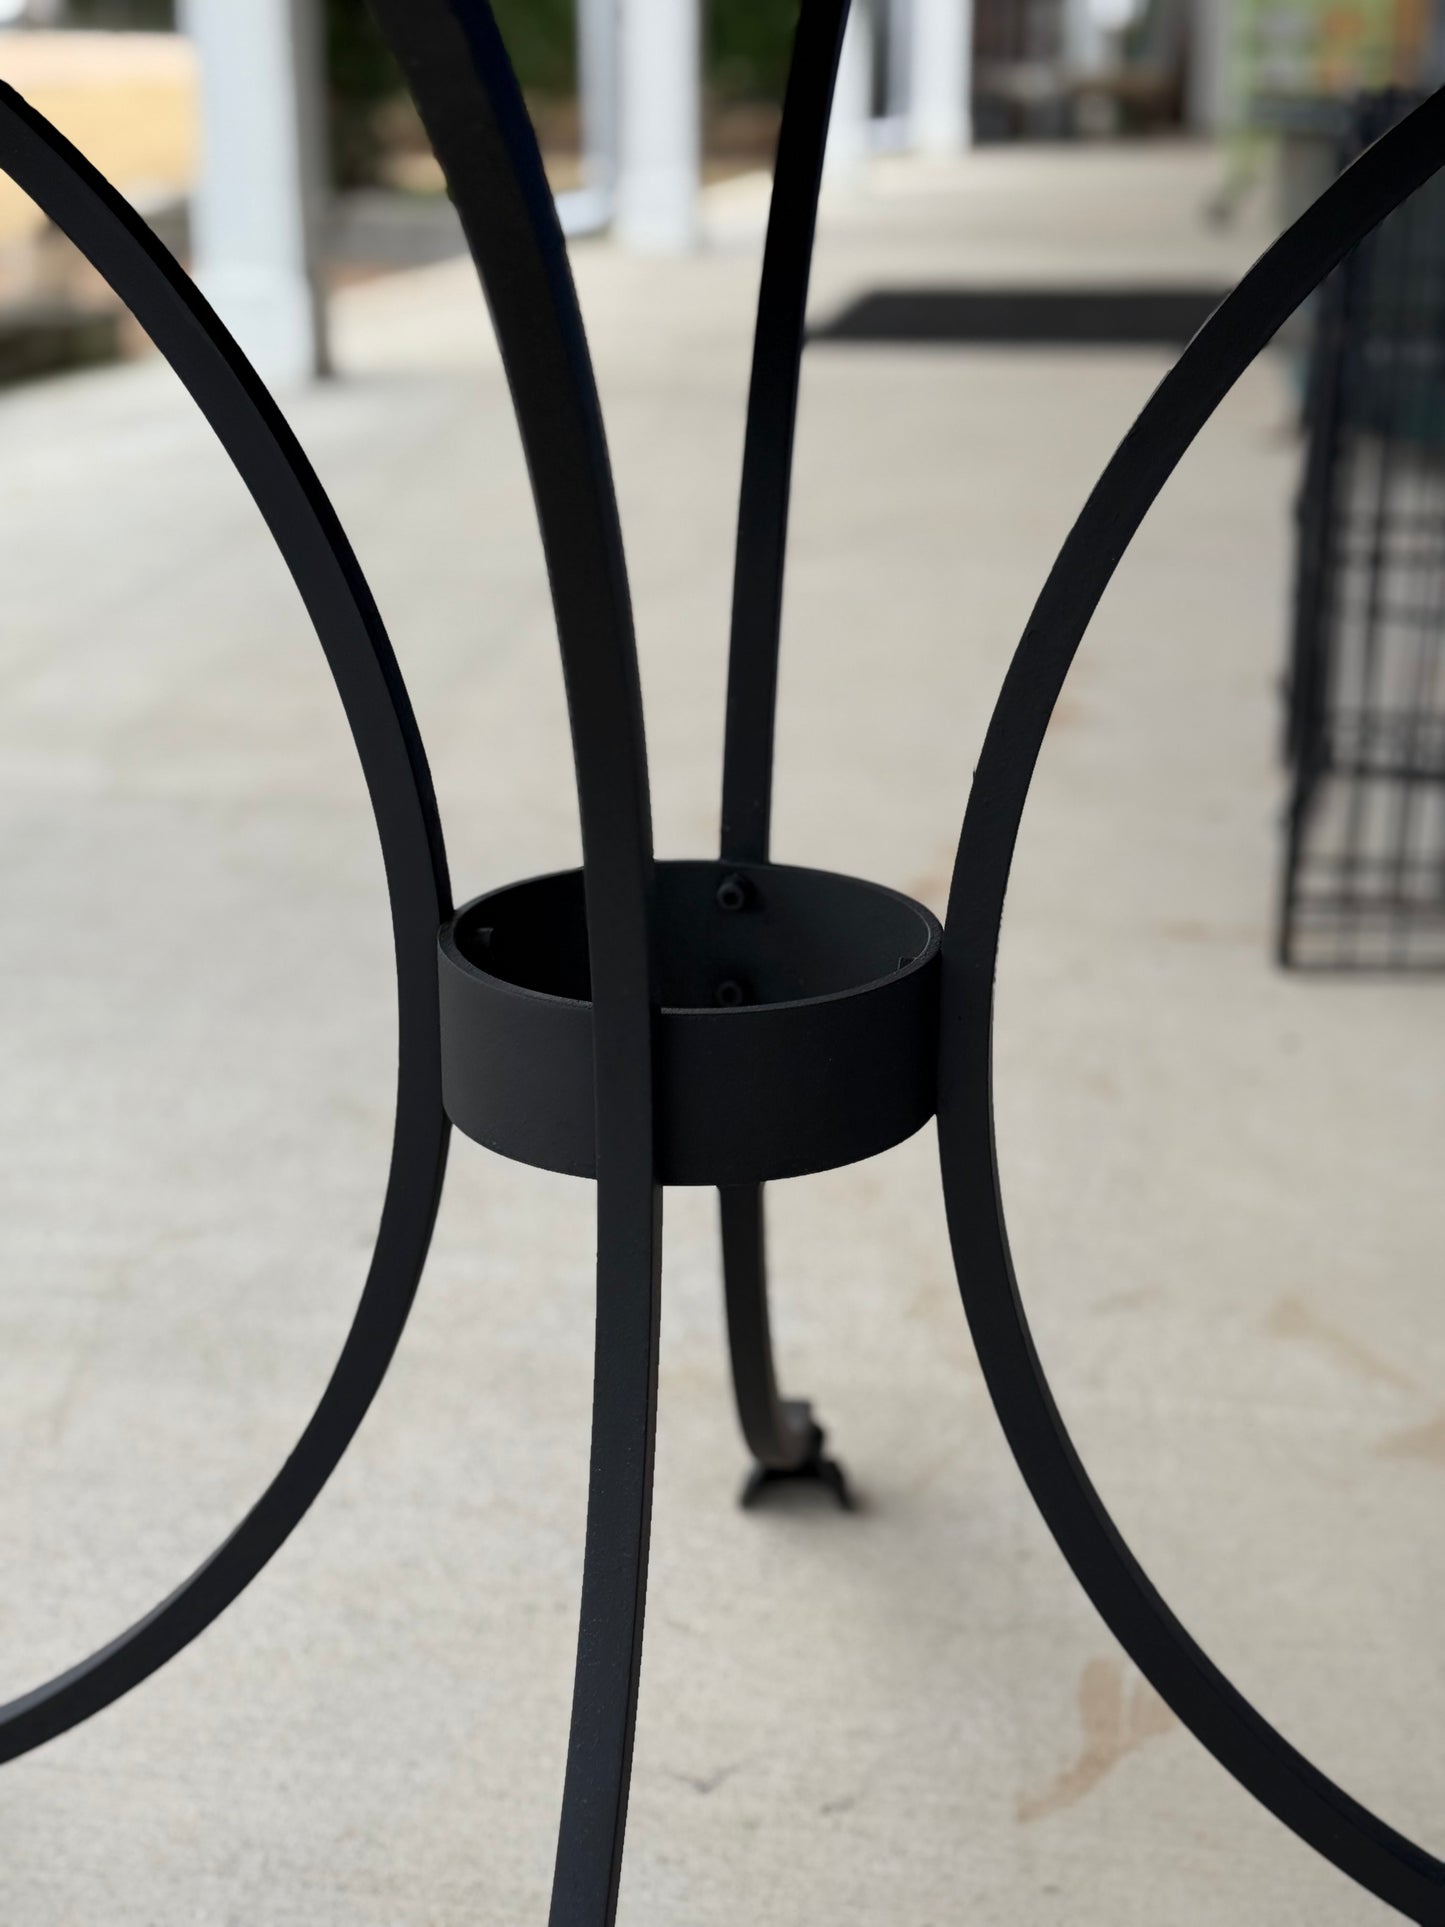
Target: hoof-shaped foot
(813, 1467)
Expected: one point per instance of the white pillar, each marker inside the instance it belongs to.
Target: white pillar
(660, 132)
(255, 211)
(940, 109)
(597, 92)
(1211, 28)
(589, 208)
(1086, 44)
(851, 123)
(898, 77)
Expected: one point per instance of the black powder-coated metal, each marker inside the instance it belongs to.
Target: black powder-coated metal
(254, 434)
(794, 1037)
(1381, 1859)
(784, 1438)
(469, 99)
(781, 1434)
(767, 477)
(712, 1023)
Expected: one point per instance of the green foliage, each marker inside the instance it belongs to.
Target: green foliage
(745, 52)
(356, 57)
(364, 79)
(747, 47)
(361, 78)
(541, 38)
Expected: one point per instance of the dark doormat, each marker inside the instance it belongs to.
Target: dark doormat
(1026, 317)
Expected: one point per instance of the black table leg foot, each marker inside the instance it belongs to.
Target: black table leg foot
(814, 1467)
(785, 1440)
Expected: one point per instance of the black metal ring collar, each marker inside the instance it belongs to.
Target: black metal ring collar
(472, 105)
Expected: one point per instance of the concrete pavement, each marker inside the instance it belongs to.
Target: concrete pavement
(1223, 1185)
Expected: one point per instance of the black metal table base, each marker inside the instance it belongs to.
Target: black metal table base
(812, 1467)
(782, 1434)
(725, 1023)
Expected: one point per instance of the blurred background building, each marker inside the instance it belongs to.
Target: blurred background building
(312, 166)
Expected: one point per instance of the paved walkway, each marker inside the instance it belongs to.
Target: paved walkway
(1223, 1185)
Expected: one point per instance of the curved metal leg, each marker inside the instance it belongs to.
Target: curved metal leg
(782, 1434)
(472, 106)
(768, 445)
(285, 489)
(1397, 1870)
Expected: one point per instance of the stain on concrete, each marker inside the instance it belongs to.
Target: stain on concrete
(705, 1783)
(931, 886)
(845, 1804)
(1068, 712)
(1425, 1442)
(1133, 1300)
(1293, 1318)
(1194, 931)
(1101, 1083)
(1118, 1717)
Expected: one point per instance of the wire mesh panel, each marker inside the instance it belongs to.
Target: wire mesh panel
(1364, 885)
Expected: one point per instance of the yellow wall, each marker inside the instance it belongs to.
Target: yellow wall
(128, 101)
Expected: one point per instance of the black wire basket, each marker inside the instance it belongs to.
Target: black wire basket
(1364, 881)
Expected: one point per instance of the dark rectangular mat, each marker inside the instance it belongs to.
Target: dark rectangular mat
(1026, 317)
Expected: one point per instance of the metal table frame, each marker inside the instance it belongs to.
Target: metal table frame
(642, 924)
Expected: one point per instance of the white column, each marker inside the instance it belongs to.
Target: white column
(589, 208)
(660, 132)
(255, 211)
(1086, 45)
(850, 125)
(940, 108)
(898, 75)
(597, 92)
(1211, 27)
